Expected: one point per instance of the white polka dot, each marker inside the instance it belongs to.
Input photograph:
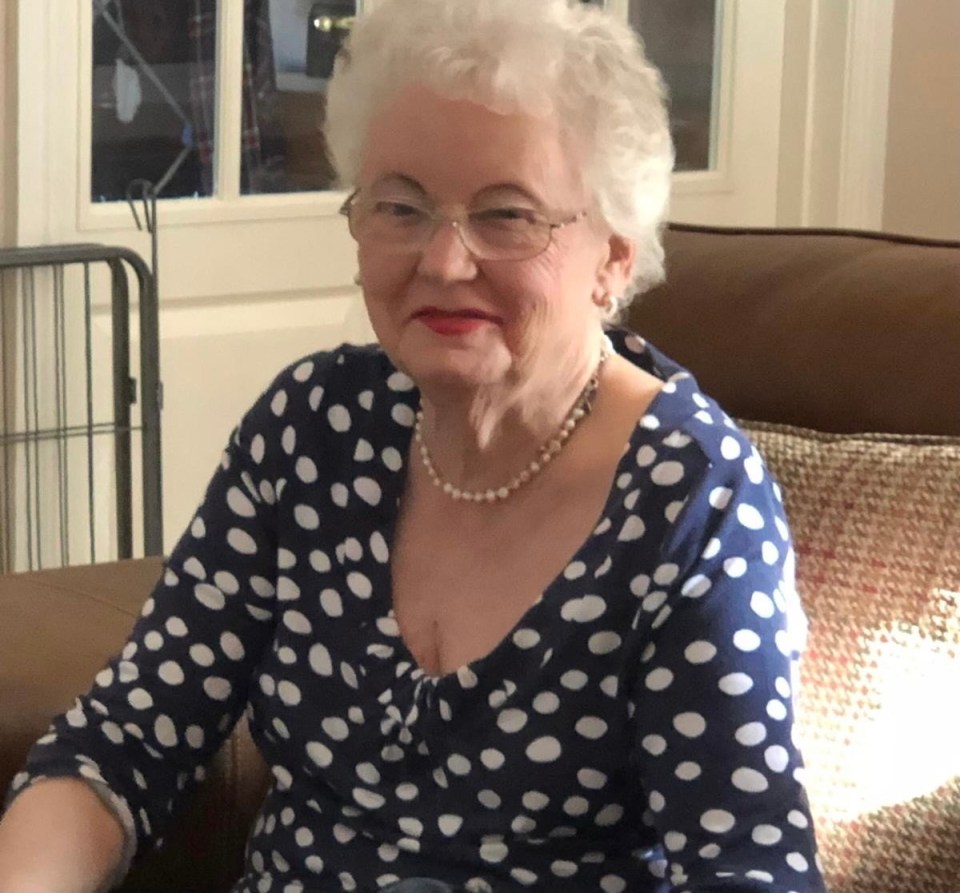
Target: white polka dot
(574, 680)
(713, 547)
(710, 851)
(720, 497)
(339, 418)
(659, 679)
(521, 876)
(458, 764)
(511, 720)
(368, 490)
(563, 868)
(335, 728)
(574, 806)
(777, 758)
(202, 655)
(749, 780)
(526, 638)
(654, 601)
(776, 709)
(696, 586)
(750, 517)
(769, 552)
(279, 403)
(674, 841)
(700, 652)
(306, 517)
(544, 750)
(165, 731)
(753, 465)
(171, 672)
(392, 459)
(574, 570)
(717, 821)
(303, 371)
(609, 815)
(751, 734)
(320, 754)
(331, 603)
(449, 824)
(593, 779)
(758, 875)
(735, 684)
(359, 585)
(583, 610)
(730, 448)
(762, 605)
(766, 835)
(494, 851)
(217, 688)
(797, 862)
(604, 642)
(379, 548)
(535, 801)
(782, 687)
(633, 528)
(735, 567)
(297, 623)
(209, 596)
(403, 415)
(612, 883)
(591, 727)
(195, 737)
(546, 703)
(746, 640)
(306, 469)
(258, 448)
(690, 725)
(687, 771)
(368, 799)
(492, 758)
(654, 744)
(666, 474)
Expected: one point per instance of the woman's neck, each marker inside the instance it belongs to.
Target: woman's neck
(483, 437)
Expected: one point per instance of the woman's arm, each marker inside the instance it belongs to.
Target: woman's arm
(59, 836)
(717, 755)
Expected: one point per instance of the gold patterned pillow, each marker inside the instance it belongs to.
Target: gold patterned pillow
(876, 524)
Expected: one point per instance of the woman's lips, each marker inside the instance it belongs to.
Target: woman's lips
(446, 322)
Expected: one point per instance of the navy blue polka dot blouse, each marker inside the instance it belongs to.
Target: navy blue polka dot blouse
(632, 732)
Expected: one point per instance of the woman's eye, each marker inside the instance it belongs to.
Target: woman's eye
(506, 216)
(389, 208)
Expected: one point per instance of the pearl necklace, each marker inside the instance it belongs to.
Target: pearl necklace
(547, 452)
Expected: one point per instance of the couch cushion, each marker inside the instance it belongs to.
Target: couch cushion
(876, 522)
(836, 331)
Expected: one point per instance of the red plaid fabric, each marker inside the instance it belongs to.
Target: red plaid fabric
(263, 159)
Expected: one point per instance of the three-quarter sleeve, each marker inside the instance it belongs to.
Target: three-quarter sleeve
(159, 710)
(719, 765)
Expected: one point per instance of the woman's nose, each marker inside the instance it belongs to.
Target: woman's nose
(445, 255)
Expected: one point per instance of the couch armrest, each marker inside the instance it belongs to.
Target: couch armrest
(59, 628)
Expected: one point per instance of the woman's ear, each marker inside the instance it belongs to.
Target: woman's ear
(613, 276)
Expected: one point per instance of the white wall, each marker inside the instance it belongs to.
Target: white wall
(922, 192)
(8, 167)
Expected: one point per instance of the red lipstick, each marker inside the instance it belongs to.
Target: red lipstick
(446, 322)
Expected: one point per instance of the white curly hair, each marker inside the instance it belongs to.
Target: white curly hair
(537, 57)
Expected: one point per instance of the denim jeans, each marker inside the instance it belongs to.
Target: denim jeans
(418, 885)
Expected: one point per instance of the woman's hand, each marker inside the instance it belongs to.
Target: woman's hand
(58, 835)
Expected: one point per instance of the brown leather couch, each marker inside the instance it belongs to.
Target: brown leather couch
(835, 332)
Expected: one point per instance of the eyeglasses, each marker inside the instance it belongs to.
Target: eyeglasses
(490, 233)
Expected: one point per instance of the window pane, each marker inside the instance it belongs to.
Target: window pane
(681, 37)
(153, 66)
(289, 47)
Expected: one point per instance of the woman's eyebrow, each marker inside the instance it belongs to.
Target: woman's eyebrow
(512, 190)
(398, 180)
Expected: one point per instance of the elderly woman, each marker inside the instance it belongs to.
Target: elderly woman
(505, 597)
